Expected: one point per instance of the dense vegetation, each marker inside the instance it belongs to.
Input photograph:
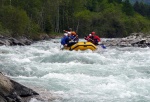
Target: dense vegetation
(143, 1)
(109, 18)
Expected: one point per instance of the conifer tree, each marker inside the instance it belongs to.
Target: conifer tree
(127, 8)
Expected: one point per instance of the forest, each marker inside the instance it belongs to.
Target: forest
(144, 1)
(108, 18)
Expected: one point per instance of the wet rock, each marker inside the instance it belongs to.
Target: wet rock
(134, 40)
(11, 91)
(44, 37)
(10, 41)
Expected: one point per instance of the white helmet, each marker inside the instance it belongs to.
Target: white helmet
(69, 32)
(90, 34)
(65, 34)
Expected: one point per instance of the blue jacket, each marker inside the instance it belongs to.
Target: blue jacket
(65, 40)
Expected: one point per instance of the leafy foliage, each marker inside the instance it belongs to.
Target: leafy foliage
(14, 19)
(109, 18)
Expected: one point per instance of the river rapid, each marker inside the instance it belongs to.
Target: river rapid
(106, 75)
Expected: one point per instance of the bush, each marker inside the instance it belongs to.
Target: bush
(15, 20)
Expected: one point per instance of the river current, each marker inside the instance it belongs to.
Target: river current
(107, 75)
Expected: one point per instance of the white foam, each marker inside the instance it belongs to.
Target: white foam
(114, 74)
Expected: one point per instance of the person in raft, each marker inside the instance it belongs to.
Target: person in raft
(66, 41)
(73, 36)
(88, 38)
(93, 38)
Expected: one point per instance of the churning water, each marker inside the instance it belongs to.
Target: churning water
(106, 75)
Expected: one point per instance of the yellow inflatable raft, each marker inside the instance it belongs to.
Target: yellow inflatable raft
(82, 46)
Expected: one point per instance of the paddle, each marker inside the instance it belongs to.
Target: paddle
(103, 46)
(72, 40)
(61, 48)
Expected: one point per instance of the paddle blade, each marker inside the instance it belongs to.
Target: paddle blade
(103, 46)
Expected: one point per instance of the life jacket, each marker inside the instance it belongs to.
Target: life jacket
(73, 33)
(97, 38)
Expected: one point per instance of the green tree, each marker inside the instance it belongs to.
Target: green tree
(117, 1)
(127, 8)
(15, 20)
(110, 23)
(85, 19)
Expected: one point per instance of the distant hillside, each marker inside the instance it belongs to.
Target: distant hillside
(145, 1)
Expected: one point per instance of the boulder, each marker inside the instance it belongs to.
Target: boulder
(134, 40)
(44, 37)
(10, 41)
(12, 91)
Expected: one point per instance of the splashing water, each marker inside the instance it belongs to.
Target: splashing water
(106, 75)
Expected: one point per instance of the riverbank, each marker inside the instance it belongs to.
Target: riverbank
(134, 40)
(11, 41)
(22, 41)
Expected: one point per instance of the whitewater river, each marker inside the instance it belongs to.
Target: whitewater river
(106, 75)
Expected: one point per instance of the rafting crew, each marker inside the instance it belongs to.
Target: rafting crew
(70, 39)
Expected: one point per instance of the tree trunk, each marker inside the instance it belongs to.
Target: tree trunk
(57, 18)
(77, 26)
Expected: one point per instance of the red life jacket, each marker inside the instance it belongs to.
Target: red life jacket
(97, 38)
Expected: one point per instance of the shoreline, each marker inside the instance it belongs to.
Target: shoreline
(134, 40)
